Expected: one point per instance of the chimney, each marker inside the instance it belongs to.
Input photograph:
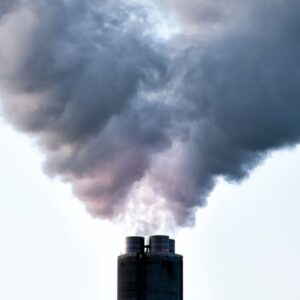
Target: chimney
(150, 271)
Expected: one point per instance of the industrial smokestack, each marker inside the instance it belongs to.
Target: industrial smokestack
(150, 271)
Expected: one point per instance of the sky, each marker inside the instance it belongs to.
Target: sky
(149, 117)
(245, 243)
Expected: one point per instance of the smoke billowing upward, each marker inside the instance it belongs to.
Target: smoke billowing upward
(137, 123)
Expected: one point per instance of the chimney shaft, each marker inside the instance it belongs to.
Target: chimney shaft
(154, 274)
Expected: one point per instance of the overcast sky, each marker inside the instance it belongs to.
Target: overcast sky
(122, 117)
(245, 243)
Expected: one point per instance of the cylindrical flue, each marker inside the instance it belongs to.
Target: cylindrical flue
(172, 246)
(159, 243)
(135, 244)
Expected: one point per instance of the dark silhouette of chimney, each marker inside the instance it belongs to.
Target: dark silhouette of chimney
(150, 271)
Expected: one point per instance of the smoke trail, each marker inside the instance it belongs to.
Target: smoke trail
(241, 97)
(75, 76)
(120, 119)
(6, 6)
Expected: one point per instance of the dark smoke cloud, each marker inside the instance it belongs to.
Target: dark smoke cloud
(6, 6)
(203, 17)
(118, 117)
(241, 96)
(76, 76)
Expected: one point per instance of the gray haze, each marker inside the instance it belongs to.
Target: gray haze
(115, 109)
(6, 6)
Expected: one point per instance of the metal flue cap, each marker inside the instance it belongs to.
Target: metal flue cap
(172, 245)
(159, 243)
(135, 244)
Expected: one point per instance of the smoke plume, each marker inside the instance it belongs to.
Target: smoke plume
(141, 126)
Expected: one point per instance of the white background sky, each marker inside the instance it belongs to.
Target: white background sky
(245, 244)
